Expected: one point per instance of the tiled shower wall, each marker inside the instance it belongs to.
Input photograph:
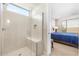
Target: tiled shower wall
(16, 31)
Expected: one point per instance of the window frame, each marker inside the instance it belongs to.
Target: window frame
(19, 8)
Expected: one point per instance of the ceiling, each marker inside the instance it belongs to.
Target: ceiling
(61, 10)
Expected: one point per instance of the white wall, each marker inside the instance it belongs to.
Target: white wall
(0, 29)
(16, 31)
(61, 10)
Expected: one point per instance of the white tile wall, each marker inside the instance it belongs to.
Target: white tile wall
(16, 31)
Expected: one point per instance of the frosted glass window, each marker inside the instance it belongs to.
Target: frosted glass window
(17, 9)
(73, 23)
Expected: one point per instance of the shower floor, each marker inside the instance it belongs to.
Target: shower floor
(21, 52)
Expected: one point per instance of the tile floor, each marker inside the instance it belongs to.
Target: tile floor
(21, 52)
